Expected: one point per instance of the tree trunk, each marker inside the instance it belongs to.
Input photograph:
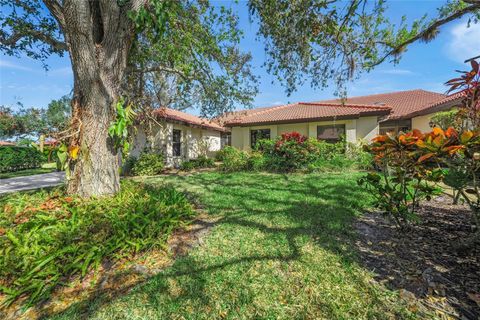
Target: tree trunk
(99, 36)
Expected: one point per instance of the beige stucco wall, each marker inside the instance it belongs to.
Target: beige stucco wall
(195, 142)
(422, 122)
(369, 127)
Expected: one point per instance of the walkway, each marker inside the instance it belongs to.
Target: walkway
(31, 182)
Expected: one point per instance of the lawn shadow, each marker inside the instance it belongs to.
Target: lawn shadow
(292, 207)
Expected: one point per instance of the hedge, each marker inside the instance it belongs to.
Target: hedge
(13, 158)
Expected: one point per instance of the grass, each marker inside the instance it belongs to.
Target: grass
(46, 168)
(281, 249)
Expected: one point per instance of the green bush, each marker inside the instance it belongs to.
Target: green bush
(233, 159)
(148, 164)
(47, 237)
(255, 161)
(293, 151)
(14, 158)
(200, 162)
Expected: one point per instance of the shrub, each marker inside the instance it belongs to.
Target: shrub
(200, 162)
(47, 237)
(402, 182)
(148, 164)
(255, 161)
(14, 158)
(234, 159)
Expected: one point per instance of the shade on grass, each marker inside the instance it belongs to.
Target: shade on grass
(282, 249)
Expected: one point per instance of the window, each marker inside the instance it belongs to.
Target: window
(177, 143)
(256, 135)
(395, 126)
(225, 139)
(331, 133)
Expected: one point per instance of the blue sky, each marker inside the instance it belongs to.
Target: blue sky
(425, 66)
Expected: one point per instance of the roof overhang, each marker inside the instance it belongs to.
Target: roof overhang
(303, 120)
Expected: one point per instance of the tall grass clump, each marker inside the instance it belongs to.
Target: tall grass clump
(47, 237)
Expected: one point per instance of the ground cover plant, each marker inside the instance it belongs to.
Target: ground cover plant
(47, 237)
(281, 249)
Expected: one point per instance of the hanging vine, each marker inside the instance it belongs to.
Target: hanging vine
(119, 129)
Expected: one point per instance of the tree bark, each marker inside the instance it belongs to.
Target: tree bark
(99, 36)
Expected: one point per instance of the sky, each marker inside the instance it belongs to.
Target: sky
(423, 66)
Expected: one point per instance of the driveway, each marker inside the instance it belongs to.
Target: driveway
(31, 182)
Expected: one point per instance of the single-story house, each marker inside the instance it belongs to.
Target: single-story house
(356, 118)
(182, 136)
(179, 136)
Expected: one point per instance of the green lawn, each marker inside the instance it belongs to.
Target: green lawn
(282, 249)
(46, 168)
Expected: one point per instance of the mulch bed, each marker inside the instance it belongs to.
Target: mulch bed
(426, 263)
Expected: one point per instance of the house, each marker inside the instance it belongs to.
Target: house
(181, 136)
(178, 135)
(356, 118)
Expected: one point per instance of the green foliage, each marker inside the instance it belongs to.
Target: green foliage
(193, 54)
(58, 113)
(200, 162)
(119, 129)
(46, 237)
(148, 164)
(233, 159)
(14, 158)
(447, 119)
(405, 175)
(256, 161)
(334, 41)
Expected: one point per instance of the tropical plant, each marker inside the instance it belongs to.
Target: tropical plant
(404, 174)
(47, 236)
(119, 129)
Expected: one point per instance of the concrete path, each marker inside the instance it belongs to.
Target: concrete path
(31, 182)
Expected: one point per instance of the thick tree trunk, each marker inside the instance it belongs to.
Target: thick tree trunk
(96, 172)
(99, 36)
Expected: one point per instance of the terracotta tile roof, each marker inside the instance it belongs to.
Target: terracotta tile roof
(443, 104)
(398, 105)
(189, 119)
(240, 114)
(306, 111)
(403, 103)
(6, 143)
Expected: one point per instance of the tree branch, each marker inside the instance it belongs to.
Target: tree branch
(56, 10)
(16, 36)
(475, 6)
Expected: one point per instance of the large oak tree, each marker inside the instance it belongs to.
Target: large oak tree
(115, 44)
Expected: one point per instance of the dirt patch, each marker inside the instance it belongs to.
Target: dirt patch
(114, 279)
(425, 262)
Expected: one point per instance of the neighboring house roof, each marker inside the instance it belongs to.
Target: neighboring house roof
(188, 119)
(403, 103)
(6, 143)
(306, 111)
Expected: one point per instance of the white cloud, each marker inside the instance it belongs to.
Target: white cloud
(464, 42)
(11, 65)
(397, 72)
(277, 103)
